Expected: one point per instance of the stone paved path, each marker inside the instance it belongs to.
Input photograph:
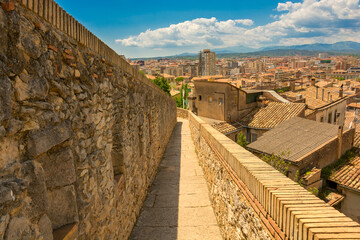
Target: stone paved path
(178, 206)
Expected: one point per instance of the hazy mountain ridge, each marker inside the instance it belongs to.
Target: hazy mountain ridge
(339, 46)
(345, 47)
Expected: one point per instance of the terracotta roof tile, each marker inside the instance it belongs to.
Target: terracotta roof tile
(310, 96)
(226, 128)
(348, 175)
(276, 113)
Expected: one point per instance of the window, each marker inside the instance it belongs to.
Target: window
(322, 119)
(199, 97)
(335, 113)
(329, 117)
(210, 99)
(220, 101)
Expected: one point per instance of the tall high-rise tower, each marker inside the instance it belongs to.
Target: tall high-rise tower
(207, 65)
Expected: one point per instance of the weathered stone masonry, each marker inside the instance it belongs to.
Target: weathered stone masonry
(81, 132)
(252, 200)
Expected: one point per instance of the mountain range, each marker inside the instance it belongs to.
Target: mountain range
(345, 47)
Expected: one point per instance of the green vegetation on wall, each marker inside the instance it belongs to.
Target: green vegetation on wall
(347, 157)
(278, 162)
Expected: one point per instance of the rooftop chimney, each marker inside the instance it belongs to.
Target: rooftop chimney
(261, 101)
(340, 134)
(292, 86)
(341, 91)
(312, 81)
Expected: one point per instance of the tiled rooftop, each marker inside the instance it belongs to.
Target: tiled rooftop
(298, 136)
(310, 95)
(226, 128)
(348, 175)
(276, 113)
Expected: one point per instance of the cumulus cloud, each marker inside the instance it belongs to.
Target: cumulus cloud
(288, 6)
(200, 31)
(296, 23)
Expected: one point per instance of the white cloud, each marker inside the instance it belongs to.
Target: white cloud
(288, 6)
(200, 32)
(305, 22)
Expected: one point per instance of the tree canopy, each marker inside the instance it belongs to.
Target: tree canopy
(162, 83)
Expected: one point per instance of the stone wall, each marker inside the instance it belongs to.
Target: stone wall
(81, 132)
(252, 200)
(182, 113)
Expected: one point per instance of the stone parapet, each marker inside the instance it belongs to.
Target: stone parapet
(252, 200)
(182, 113)
(53, 14)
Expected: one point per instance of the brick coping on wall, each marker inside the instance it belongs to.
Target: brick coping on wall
(50, 11)
(286, 209)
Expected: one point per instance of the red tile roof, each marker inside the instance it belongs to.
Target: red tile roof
(227, 128)
(348, 175)
(276, 113)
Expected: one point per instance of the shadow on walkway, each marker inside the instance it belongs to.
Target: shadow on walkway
(177, 205)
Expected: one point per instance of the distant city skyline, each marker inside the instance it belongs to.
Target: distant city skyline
(157, 28)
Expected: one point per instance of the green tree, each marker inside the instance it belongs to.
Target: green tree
(241, 140)
(179, 79)
(184, 93)
(163, 84)
(179, 102)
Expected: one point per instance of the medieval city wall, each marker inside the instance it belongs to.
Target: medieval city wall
(81, 132)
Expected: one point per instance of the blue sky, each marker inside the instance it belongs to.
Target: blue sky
(160, 28)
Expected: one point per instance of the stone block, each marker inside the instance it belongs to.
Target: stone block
(43, 140)
(4, 220)
(22, 90)
(45, 228)
(32, 44)
(6, 91)
(36, 189)
(9, 152)
(18, 228)
(63, 208)
(59, 168)
(14, 126)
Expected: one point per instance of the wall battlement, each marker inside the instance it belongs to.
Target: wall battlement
(252, 200)
(53, 14)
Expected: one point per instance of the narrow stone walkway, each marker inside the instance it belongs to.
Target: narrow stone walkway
(178, 206)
